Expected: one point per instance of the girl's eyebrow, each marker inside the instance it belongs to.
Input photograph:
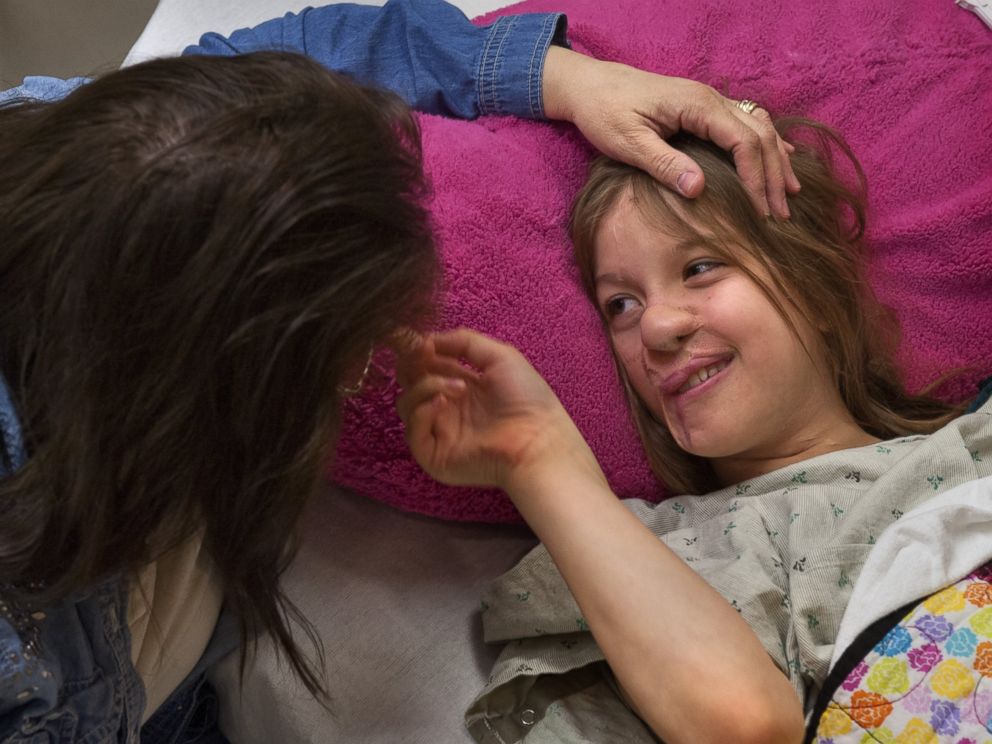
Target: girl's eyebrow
(609, 279)
(681, 247)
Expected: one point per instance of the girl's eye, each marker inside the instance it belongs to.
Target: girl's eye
(618, 306)
(697, 268)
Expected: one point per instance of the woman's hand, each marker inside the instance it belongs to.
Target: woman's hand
(627, 114)
(477, 413)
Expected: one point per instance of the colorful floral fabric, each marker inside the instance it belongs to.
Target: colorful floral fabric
(928, 681)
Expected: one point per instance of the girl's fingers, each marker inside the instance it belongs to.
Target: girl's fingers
(416, 359)
(433, 432)
(424, 390)
(478, 350)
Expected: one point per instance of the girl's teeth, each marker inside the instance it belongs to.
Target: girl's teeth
(701, 376)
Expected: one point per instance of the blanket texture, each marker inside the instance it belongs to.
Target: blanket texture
(906, 83)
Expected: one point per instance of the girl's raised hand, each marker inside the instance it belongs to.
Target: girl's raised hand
(477, 413)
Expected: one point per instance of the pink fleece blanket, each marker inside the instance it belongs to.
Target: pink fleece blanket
(908, 83)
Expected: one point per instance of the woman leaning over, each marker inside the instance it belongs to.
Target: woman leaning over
(195, 257)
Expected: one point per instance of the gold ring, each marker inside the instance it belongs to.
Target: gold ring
(747, 106)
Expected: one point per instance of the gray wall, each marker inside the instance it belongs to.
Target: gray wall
(64, 38)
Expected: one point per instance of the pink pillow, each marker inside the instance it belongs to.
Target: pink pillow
(501, 206)
(904, 82)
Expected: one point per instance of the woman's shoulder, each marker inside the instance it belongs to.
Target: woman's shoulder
(41, 88)
(66, 667)
(29, 683)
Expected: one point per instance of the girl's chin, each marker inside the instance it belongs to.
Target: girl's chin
(707, 434)
(705, 443)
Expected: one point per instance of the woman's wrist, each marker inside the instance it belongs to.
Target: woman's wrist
(561, 76)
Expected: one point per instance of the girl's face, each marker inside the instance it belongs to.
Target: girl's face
(707, 351)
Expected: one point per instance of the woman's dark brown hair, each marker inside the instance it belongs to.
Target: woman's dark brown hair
(194, 253)
(816, 264)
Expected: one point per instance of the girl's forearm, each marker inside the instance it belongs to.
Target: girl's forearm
(681, 653)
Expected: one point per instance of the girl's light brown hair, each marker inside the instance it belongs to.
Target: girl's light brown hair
(816, 262)
(194, 254)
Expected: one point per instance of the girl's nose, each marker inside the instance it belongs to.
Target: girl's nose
(665, 327)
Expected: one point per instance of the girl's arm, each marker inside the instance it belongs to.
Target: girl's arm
(680, 652)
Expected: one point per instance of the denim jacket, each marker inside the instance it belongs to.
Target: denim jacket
(66, 674)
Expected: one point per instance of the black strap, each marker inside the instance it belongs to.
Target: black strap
(852, 656)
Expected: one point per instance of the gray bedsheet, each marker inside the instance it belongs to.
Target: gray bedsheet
(395, 598)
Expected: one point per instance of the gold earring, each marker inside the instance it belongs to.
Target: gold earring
(357, 387)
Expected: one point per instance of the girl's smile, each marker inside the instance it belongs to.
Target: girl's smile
(694, 374)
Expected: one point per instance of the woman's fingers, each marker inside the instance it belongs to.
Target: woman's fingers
(628, 113)
(774, 158)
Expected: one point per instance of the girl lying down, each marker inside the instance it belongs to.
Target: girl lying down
(760, 372)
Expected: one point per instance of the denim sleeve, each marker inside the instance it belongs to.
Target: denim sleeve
(41, 88)
(427, 51)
